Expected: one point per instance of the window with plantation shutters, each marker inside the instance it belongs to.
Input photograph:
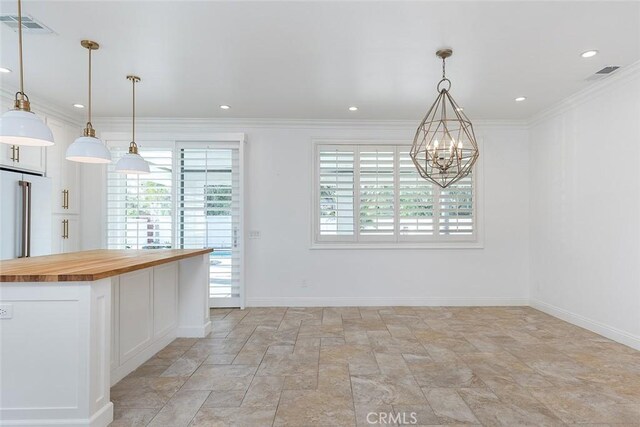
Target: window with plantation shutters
(139, 207)
(336, 180)
(208, 209)
(368, 194)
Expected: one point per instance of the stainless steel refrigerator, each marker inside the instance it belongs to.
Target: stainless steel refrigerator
(25, 215)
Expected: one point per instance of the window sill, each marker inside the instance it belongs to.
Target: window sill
(391, 245)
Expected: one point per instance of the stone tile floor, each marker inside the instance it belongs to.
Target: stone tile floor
(491, 366)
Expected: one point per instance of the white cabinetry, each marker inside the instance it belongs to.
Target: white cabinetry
(65, 177)
(144, 316)
(22, 157)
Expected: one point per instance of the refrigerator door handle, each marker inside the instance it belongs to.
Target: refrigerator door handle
(25, 250)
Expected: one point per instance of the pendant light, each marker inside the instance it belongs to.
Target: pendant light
(132, 162)
(88, 148)
(20, 126)
(444, 149)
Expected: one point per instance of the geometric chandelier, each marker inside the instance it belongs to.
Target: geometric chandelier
(444, 149)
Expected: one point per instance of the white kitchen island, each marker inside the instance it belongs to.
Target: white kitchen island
(72, 325)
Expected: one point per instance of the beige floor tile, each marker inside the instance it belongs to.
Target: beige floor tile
(449, 406)
(133, 417)
(224, 399)
(236, 417)
(502, 366)
(180, 409)
(264, 392)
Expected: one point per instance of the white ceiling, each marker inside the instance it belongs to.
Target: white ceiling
(312, 60)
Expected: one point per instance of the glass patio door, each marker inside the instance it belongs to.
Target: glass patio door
(209, 215)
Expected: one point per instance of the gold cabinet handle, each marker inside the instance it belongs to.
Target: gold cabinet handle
(13, 153)
(65, 199)
(18, 151)
(65, 228)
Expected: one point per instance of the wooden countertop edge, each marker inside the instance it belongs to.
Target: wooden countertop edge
(91, 277)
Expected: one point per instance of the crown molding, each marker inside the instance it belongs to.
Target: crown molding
(620, 77)
(44, 107)
(158, 124)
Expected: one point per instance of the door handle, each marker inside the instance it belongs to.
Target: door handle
(65, 199)
(18, 153)
(25, 251)
(65, 228)
(235, 237)
(13, 153)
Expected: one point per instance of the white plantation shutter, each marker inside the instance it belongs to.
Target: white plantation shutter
(416, 200)
(456, 208)
(209, 214)
(336, 193)
(376, 191)
(139, 207)
(373, 193)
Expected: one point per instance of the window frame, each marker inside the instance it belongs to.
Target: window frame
(397, 241)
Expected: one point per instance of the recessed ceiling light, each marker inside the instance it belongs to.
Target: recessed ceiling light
(78, 105)
(4, 70)
(589, 53)
(224, 107)
(520, 99)
(353, 108)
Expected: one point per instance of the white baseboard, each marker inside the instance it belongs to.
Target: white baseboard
(102, 418)
(194, 331)
(381, 302)
(610, 332)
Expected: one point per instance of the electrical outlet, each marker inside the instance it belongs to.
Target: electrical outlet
(254, 234)
(304, 284)
(6, 311)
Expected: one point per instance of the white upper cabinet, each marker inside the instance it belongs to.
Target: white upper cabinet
(63, 173)
(22, 157)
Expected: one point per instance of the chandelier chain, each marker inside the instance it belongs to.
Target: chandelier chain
(443, 68)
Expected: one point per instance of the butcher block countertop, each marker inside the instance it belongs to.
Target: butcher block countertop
(89, 265)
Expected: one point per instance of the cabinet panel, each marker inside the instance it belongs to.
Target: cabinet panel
(64, 174)
(66, 233)
(165, 298)
(135, 312)
(23, 157)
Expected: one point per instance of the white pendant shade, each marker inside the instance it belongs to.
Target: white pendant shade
(132, 163)
(88, 149)
(19, 127)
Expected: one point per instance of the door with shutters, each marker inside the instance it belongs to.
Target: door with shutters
(209, 214)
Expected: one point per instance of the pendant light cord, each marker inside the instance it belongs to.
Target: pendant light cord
(443, 68)
(89, 109)
(133, 115)
(20, 43)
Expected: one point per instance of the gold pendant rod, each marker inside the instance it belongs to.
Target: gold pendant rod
(20, 43)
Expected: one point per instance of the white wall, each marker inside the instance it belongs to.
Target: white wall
(585, 209)
(278, 172)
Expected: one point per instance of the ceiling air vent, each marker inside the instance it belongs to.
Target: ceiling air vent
(603, 73)
(608, 70)
(29, 25)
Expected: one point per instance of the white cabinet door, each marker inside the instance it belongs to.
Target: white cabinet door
(66, 233)
(165, 298)
(23, 157)
(135, 312)
(65, 174)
